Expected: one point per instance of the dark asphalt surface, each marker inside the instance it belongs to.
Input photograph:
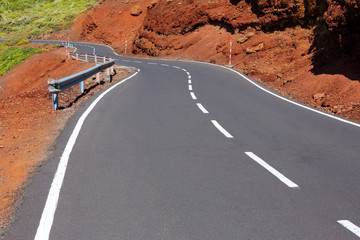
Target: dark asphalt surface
(149, 164)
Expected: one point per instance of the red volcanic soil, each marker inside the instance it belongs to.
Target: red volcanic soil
(28, 123)
(305, 49)
(281, 44)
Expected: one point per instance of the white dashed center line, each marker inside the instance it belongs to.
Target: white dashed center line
(126, 60)
(190, 87)
(202, 108)
(165, 65)
(137, 62)
(272, 170)
(221, 129)
(193, 95)
(350, 226)
(176, 67)
(189, 81)
(151, 63)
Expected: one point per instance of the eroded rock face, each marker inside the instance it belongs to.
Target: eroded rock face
(343, 15)
(174, 19)
(342, 19)
(161, 25)
(178, 18)
(337, 36)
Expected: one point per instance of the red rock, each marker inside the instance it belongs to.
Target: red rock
(135, 10)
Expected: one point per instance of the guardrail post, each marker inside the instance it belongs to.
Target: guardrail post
(95, 58)
(55, 100)
(77, 56)
(104, 58)
(56, 86)
(86, 58)
(82, 87)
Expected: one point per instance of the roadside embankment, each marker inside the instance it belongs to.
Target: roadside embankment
(28, 124)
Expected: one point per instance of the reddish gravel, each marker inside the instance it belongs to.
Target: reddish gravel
(305, 49)
(28, 123)
(275, 42)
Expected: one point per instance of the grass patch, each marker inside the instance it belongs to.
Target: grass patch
(56, 46)
(11, 53)
(34, 18)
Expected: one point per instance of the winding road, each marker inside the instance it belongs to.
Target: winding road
(189, 150)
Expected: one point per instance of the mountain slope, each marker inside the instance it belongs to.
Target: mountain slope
(306, 50)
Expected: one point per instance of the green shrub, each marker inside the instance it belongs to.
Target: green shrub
(10, 56)
(56, 46)
(12, 42)
(21, 41)
(33, 18)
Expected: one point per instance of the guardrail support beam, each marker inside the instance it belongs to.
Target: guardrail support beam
(56, 86)
(55, 100)
(82, 87)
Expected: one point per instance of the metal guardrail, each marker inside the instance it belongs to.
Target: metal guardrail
(56, 86)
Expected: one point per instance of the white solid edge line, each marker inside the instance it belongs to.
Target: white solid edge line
(290, 101)
(47, 217)
(272, 170)
(350, 226)
(193, 95)
(202, 108)
(252, 82)
(221, 129)
(190, 88)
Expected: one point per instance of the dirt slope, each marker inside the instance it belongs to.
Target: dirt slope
(305, 49)
(29, 125)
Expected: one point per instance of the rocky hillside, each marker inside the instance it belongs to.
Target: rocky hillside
(305, 49)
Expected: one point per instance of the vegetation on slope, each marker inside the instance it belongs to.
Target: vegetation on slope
(11, 53)
(33, 18)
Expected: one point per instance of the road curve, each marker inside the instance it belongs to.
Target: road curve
(188, 150)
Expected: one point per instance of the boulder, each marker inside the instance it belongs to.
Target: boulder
(135, 10)
(255, 49)
(319, 96)
(245, 37)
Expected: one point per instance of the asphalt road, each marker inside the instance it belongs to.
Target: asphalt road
(187, 150)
